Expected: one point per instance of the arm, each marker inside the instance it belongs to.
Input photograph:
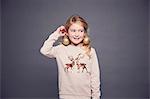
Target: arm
(95, 76)
(48, 49)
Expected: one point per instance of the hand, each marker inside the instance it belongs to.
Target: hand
(61, 30)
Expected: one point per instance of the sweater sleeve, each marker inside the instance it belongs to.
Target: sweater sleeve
(48, 49)
(95, 76)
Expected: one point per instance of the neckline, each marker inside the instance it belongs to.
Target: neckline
(78, 46)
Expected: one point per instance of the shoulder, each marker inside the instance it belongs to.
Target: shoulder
(60, 46)
(93, 50)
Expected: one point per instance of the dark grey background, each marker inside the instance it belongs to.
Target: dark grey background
(149, 48)
(0, 49)
(119, 32)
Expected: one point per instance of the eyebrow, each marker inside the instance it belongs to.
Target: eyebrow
(76, 29)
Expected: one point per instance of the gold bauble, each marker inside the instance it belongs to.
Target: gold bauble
(65, 40)
(86, 40)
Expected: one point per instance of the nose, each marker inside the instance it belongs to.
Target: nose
(77, 33)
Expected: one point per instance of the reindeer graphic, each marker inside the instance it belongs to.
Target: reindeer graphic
(70, 65)
(75, 62)
(81, 65)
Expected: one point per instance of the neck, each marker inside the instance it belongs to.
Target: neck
(79, 45)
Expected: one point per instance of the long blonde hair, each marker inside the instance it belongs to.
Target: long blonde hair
(76, 18)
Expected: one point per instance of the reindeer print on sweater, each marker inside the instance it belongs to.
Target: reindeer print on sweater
(76, 65)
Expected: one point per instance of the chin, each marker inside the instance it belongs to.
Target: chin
(76, 43)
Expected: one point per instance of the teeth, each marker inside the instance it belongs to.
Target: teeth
(76, 37)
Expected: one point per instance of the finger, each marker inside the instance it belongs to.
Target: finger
(63, 30)
(62, 27)
(62, 34)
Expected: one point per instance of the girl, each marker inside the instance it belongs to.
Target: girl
(78, 68)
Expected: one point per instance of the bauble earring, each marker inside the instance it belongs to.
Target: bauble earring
(86, 40)
(66, 40)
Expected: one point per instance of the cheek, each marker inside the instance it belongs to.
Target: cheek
(70, 34)
(82, 34)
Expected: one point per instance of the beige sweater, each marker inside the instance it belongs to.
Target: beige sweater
(78, 73)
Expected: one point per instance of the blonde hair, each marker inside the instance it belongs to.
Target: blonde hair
(76, 18)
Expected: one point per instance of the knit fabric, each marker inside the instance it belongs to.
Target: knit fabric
(78, 74)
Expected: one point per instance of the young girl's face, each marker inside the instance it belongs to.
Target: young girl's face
(76, 33)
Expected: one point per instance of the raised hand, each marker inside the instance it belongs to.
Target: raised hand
(61, 30)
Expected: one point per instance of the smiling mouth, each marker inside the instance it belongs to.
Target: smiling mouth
(76, 37)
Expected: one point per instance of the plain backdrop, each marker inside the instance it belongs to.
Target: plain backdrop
(149, 47)
(119, 32)
(0, 49)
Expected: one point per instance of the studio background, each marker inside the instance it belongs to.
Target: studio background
(119, 30)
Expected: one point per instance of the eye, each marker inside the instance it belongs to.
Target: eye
(81, 30)
(73, 30)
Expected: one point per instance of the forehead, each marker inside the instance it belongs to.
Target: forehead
(76, 26)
